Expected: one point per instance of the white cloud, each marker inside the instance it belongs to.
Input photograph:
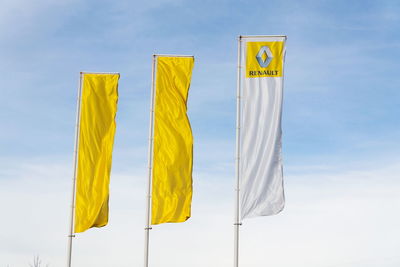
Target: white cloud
(332, 218)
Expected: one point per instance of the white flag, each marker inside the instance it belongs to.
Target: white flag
(260, 164)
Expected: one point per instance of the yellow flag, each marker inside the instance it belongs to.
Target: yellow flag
(96, 139)
(173, 142)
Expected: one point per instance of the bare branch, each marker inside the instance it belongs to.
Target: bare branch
(37, 262)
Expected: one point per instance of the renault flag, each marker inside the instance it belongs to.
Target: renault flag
(96, 139)
(173, 141)
(260, 163)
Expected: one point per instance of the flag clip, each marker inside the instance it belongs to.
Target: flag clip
(148, 228)
(237, 224)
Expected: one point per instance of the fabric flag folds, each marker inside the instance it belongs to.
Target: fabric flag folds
(173, 141)
(260, 171)
(96, 139)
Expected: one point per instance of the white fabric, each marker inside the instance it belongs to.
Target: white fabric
(260, 164)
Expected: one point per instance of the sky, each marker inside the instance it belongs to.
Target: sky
(340, 130)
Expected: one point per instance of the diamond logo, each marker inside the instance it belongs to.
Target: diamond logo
(264, 56)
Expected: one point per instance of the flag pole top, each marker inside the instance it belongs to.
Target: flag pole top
(169, 55)
(257, 36)
(87, 72)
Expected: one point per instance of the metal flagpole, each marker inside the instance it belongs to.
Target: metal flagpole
(75, 164)
(150, 170)
(237, 222)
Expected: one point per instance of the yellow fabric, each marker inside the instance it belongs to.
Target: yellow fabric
(173, 142)
(96, 139)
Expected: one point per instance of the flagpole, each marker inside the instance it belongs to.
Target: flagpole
(150, 164)
(237, 222)
(75, 167)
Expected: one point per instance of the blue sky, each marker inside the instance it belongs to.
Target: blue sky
(340, 123)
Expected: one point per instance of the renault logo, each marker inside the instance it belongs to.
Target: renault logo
(264, 56)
